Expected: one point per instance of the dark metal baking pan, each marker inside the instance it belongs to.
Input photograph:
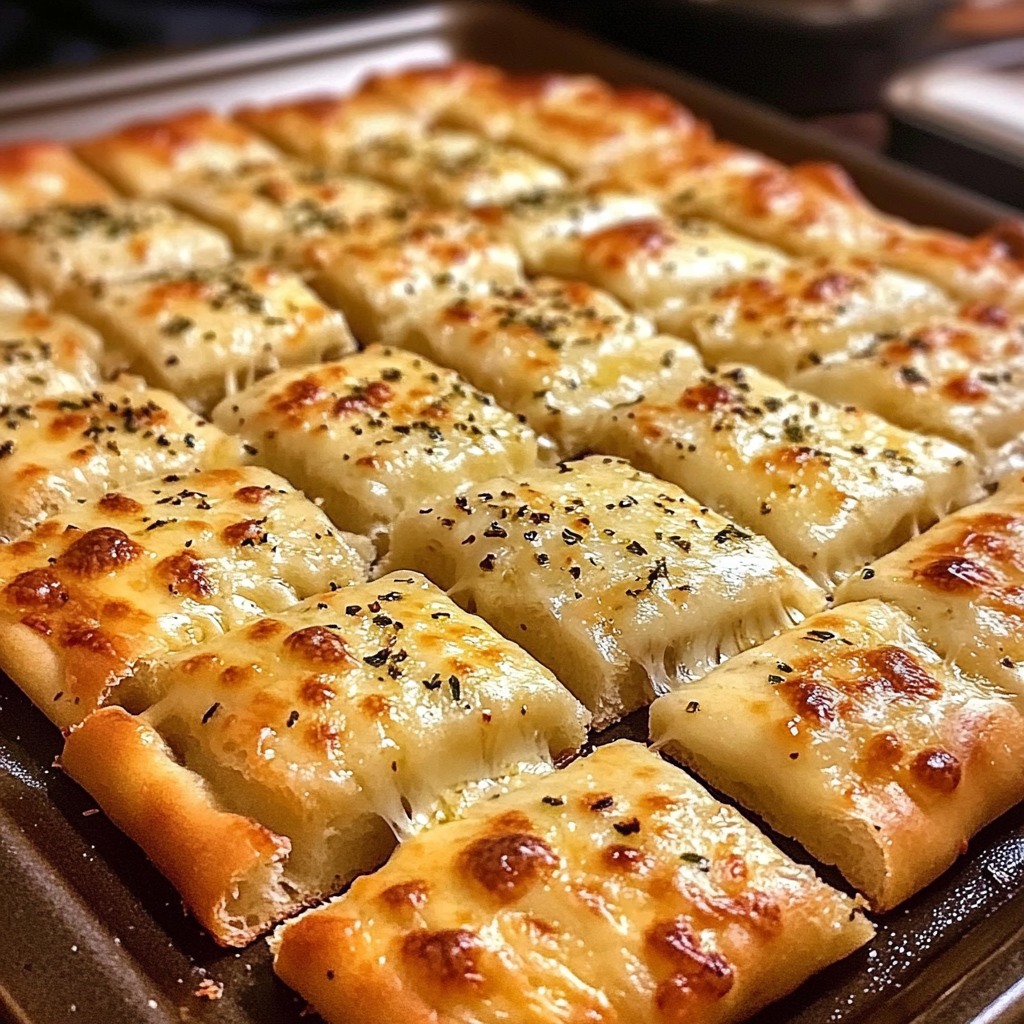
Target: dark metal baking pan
(90, 933)
(964, 112)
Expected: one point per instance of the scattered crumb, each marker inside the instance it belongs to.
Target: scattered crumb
(210, 989)
(88, 813)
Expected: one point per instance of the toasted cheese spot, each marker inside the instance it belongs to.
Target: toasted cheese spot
(882, 752)
(318, 644)
(316, 691)
(100, 551)
(90, 638)
(966, 390)
(238, 675)
(375, 395)
(898, 672)
(264, 629)
(297, 395)
(251, 495)
(248, 531)
(451, 957)
(37, 588)
(831, 286)
(199, 663)
(23, 548)
(184, 573)
(37, 625)
(614, 247)
(511, 821)
(937, 769)
(956, 573)
(987, 315)
(705, 397)
(508, 865)
(375, 705)
(119, 504)
(619, 857)
(405, 895)
(697, 971)
(810, 699)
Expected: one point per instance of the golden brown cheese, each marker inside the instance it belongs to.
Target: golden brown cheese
(577, 121)
(307, 740)
(118, 241)
(385, 271)
(268, 209)
(620, 583)
(149, 157)
(788, 320)
(831, 487)
(323, 129)
(661, 266)
(376, 433)
(46, 354)
(35, 175)
(453, 168)
(810, 209)
(559, 353)
(55, 451)
(986, 269)
(429, 91)
(156, 567)
(963, 582)
(958, 376)
(547, 228)
(614, 890)
(207, 333)
(852, 735)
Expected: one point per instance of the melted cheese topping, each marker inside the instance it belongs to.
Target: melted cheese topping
(323, 129)
(617, 889)
(385, 271)
(546, 227)
(620, 583)
(210, 332)
(989, 268)
(147, 158)
(810, 209)
(558, 353)
(262, 206)
(118, 241)
(34, 175)
(375, 699)
(376, 433)
(786, 321)
(45, 354)
(58, 450)
(430, 91)
(852, 735)
(959, 377)
(158, 567)
(963, 581)
(12, 298)
(659, 267)
(830, 487)
(455, 168)
(575, 120)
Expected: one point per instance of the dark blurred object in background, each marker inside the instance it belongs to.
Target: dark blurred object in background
(37, 33)
(804, 56)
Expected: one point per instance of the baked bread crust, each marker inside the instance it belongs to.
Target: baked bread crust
(853, 736)
(620, 583)
(616, 889)
(149, 157)
(362, 712)
(156, 567)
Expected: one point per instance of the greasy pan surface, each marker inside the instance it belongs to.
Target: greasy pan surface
(89, 930)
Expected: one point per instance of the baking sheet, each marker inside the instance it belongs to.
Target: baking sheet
(90, 932)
